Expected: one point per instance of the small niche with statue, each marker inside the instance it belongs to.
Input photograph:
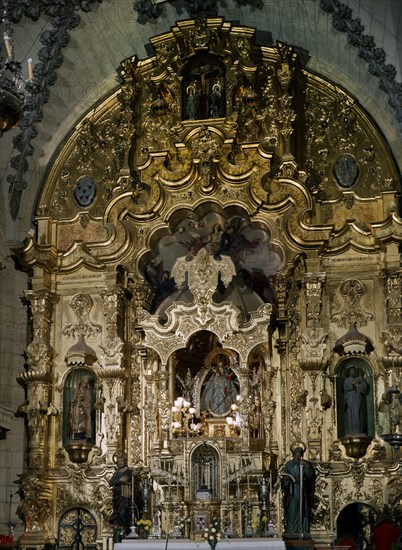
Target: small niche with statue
(203, 88)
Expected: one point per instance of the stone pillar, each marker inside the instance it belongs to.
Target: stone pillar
(38, 376)
(35, 504)
(113, 372)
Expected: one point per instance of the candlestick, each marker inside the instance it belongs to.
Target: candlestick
(7, 41)
(30, 72)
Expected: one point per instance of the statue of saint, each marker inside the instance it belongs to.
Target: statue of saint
(298, 484)
(220, 390)
(121, 483)
(192, 102)
(384, 413)
(355, 389)
(80, 418)
(215, 101)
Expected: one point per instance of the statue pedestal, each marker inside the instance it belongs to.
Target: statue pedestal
(229, 544)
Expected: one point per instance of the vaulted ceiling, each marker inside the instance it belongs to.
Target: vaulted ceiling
(76, 46)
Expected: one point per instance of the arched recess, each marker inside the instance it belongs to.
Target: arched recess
(79, 394)
(353, 525)
(203, 87)
(206, 473)
(77, 530)
(194, 366)
(355, 401)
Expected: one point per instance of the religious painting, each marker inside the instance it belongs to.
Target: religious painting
(201, 522)
(248, 244)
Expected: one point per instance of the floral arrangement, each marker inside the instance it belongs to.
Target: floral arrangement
(213, 534)
(144, 526)
(259, 525)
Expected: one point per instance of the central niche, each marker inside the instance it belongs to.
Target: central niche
(207, 389)
(206, 398)
(217, 385)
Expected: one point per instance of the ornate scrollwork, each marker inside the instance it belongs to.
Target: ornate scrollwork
(352, 291)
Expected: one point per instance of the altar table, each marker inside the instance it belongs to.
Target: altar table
(178, 544)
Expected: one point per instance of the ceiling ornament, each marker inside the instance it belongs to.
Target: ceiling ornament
(147, 9)
(375, 57)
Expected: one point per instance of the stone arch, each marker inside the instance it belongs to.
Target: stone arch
(353, 524)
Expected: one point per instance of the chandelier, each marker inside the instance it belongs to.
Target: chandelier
(12, 85)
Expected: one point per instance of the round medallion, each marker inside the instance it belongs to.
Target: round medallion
(85, 191)
(346, 171)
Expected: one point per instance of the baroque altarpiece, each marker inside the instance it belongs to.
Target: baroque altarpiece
(217, 245)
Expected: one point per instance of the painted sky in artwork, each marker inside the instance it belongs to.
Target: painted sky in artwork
(248, 246)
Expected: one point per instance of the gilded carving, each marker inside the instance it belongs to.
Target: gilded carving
(313, 284)
(312, 351)
(35, 502)
(82, 304)
(328, 117)
(191, 214)
(358, 478)
(102, 499)
(352, 291)
(112, 342)
(64, 498)
(393, 346)
(321, 518)
(392, 282)
(39, 350)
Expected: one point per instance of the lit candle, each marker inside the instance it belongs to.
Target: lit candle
(30, 72)
(7, 41)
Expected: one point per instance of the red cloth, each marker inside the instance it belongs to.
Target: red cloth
(384, 535)
(347, 542)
